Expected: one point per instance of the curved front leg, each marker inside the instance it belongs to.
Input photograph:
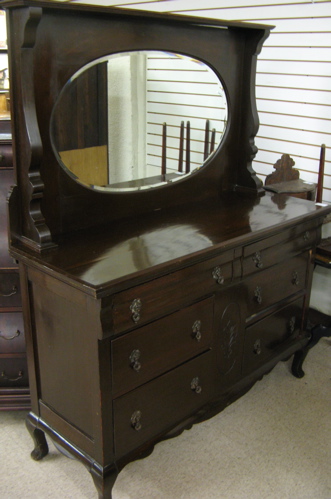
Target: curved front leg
(317, 333)
(104, 481)
(38, 436)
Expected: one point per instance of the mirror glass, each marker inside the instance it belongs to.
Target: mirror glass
(137, 120)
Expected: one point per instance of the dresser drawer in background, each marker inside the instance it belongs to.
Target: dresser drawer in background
(167, 294)
(6, 156)
(267, 252)
(11, 333)
(149, 351)
(10, 291)
(13, 372)
(277, 283)
(160, 404)
(266, 337)
(6, 180)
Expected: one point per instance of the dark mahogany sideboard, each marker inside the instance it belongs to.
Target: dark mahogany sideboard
(14, 383)
(147, 308)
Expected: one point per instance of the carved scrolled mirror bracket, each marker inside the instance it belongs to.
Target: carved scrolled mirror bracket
(251, 123)
(35, 232)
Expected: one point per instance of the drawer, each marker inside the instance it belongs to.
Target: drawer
(13, 372)
(12, 333)
(10, 291)
(161, 404)
(6, 180)
(167, 294)
(6, 156)
(149, 351)
(276, 283)
(275, 249)
(268, 336)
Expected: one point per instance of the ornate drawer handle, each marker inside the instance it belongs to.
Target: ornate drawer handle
(12, 293)
(136, 421)
(257, 347)
(134, 360)
(195, 385)
(196, 330)
(135, 308)
(217, 275)
(306, 235)
(10, 337)
(4, 376)
(295, 279)
(257, 259)
(258, 294)
(291, 325)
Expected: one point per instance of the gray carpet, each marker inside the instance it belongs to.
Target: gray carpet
(273, 443)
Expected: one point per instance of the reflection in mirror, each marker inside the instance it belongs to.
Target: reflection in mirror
(138, 119)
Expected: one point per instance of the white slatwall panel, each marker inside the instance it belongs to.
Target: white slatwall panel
(180, 89)
(293, 75)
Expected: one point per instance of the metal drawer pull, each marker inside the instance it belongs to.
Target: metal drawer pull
(195, 385)
(217, 275)
(4, 376)
(135, 308)
(12, 293)
(306, 235)
(295, 279)
(291, 324)
(134, 360)
(196, 329)
(257, 347)
(258, 294)
(257, 259)
(10, 337)
(136, 421)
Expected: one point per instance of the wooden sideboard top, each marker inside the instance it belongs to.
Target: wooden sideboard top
(127, 250)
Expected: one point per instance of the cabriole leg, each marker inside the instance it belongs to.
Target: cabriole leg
(38, 436)
(104, 481)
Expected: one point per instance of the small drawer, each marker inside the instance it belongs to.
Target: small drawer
(162, 403)
(10, 291)
(268, 336)
(12, 333)
(167, 294)
(275, 249)
(13, 372)
(275, 284)
(149, 351)
(6, 156)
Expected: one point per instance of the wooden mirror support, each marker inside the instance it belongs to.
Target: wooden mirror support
(147, 311)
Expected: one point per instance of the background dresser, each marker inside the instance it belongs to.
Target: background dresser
(14, 385)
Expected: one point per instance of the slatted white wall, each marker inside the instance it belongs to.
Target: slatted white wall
(181, 89)
(293, 75)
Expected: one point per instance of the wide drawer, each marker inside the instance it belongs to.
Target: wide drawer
(275, 284)
(10, 291)
(272, 250)
(12, 333)
(161, 404)
(167, 294)
(151, 350)
(13, 372)
(268, 336)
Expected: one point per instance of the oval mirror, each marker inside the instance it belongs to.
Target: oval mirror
(138, 119)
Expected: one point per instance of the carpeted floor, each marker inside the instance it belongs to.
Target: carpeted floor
(273, 443)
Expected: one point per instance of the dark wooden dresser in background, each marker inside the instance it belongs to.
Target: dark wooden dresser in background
(14, 386)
